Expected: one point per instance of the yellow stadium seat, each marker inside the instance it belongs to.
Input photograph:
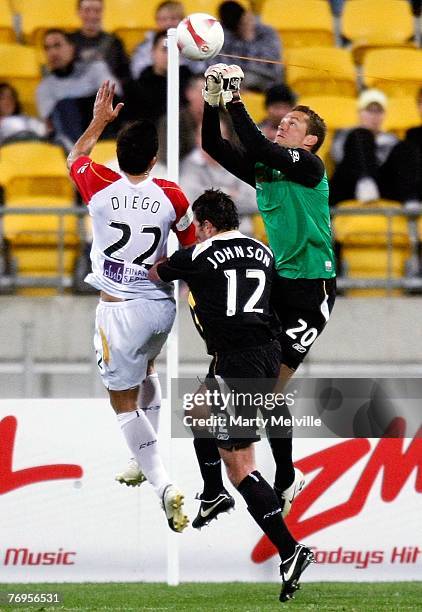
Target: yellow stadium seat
(255, 104)
(402, 114)
(300, 24)
(34, 175)
(258, 228)
(397, 72)
(19, 67)
(318, 71)
(338, 112)
(364, 243)
(129, 21)
(39, 15)
(7, 32)
(208, 6)
(104, 152)
(376, 23)
(30, 171)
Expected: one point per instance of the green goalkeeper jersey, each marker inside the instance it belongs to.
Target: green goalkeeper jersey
(297, 222)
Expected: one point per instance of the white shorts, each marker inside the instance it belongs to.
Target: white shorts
(128, 335)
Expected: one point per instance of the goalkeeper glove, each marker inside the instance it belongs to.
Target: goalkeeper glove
(213, 84)
(232, 79)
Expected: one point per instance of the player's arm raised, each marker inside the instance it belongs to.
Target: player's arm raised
(304, 167)
(103, 114)
(231, 157)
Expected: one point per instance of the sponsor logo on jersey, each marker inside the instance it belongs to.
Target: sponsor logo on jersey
(119, 272)
(82, 169)
(295, 155)
(114, 270)
(299, 347)
(185, 221)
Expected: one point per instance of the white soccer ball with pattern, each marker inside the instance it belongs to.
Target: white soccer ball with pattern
(199, 36)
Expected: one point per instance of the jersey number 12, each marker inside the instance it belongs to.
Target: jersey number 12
(231, 276)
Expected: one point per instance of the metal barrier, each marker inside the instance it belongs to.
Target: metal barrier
(62, 281)
(413, 280)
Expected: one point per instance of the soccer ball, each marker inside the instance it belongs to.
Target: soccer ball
(199, 36)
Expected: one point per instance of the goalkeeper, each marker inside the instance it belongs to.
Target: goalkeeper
(292, 197)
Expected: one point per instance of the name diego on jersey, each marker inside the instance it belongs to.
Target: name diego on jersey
(134, 202)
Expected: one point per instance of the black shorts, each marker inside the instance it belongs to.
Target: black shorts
(248, 373)
(303, 306)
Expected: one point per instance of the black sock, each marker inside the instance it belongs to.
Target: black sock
(282, 453)
(210, 465)
(264, 507)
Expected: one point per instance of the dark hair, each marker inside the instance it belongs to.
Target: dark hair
(137, 145)
(216, 207)
(230, 13)
(65, 35)
(316, 125)
(18, 106)
(280, 93)
(158, 36)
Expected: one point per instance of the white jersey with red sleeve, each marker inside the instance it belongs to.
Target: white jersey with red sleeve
(131, 224)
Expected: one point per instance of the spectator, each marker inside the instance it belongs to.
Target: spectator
(190, 118)
(14, 124)
(371, 163)
(279, 100)
(147, 97)
(167, 15)
(198, 171)
(65, 96)
(93, 44)
(246, 36)
(414, 137)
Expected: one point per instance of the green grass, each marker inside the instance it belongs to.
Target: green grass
(224, 597)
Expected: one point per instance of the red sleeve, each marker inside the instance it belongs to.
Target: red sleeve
(183, 226)
(90, 178)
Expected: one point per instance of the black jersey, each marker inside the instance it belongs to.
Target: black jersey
(229, 277)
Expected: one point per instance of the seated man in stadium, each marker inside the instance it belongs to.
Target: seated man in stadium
(414, 136)
(93, 44)
(371, 163)
(167, 15)
(14, 123)
(279, 100)
(65, 96)
(134, 316)
(146, 97)
(246, 36)
(230, 277)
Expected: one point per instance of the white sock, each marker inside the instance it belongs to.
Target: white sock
(142, 441)
(150, 399)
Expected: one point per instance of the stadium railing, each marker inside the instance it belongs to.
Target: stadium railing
(11, 280)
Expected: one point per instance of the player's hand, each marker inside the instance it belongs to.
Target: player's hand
(232, 80)
(213, 84)
(103, 105)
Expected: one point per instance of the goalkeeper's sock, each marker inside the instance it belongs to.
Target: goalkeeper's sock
(210, 465)
(282, 453)
(142, 441)
(264, 507)
(150, 399)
